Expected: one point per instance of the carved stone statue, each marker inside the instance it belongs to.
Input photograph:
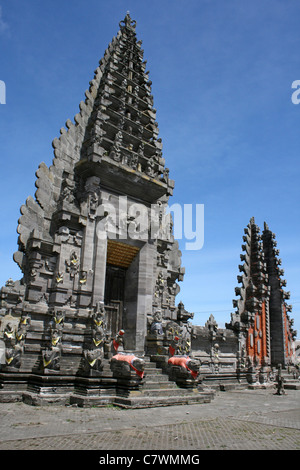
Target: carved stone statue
(51, 359)
(183, 368)
(122, 364)
(173, 347)
(94, 359)
(13, 356)
(99, 315)
(118, 341)
(57, 322)
(156, 326)
(9, 335)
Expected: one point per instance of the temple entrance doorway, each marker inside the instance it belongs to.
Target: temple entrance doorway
(118, 282)
(114, 284)
(114, 297)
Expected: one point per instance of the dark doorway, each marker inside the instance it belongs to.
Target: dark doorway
(114, 297)
(121, 289)
(114, 284)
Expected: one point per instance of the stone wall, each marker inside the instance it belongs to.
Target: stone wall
(217, 353)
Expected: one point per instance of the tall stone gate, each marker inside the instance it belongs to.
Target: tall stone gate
(261, 320)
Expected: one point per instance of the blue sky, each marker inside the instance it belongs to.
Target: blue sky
(222, 73)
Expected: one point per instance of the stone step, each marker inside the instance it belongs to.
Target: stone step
(292, 384)
(153, 372)
(142, 401)
(157, 401)
(88, 401)
(149, 385)
(159, 381)
(149, 366)
(154, 376)
(226, 386)
(169, 392)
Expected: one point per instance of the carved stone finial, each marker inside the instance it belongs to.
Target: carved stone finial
(128, 22)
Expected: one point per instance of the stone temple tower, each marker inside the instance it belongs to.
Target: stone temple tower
(95, 244)
(282, 334)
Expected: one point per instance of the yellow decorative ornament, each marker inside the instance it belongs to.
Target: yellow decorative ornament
(46, 363)
(9, 334)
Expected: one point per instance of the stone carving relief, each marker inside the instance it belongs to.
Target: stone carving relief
(51, 355)
(94, 354)
(72, 265)
(14, 339)
(156, 325)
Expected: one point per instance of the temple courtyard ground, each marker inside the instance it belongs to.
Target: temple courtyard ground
(234, 420)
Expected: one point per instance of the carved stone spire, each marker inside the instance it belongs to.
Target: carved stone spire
(122, 133)
(281, 329)
(251, 316)
(261, 315)
(128, 23)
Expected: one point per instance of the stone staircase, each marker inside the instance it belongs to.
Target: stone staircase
(158, 390)
(224, 382)
(290, 382)
(154, 390)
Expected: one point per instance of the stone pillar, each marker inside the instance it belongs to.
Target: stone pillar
(147, 256)
(138, 298)
(87, 260)
(88, 246)
(99, 267)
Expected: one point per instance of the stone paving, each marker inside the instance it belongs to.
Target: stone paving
(234, 420)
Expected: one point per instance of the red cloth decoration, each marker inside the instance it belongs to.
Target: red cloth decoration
(183, 362)
(129, 358)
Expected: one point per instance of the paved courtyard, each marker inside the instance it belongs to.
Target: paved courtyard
(234, 420)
